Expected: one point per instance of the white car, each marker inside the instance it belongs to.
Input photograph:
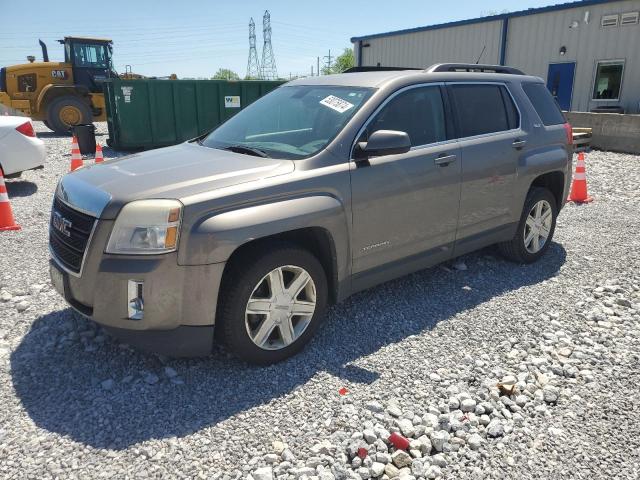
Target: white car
(20, 148)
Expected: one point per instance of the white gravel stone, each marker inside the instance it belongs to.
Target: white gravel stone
(439, 439)
(401, 459)
(495, 428)
(468, 405)
(377, 469)
(474, 441)
(263, 473)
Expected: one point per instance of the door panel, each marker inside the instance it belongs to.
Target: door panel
(560, 83)
(407, 204)
(404, 205)
(491, 142)
(488, 180)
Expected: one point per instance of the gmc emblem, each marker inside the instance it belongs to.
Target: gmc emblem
(61, 224)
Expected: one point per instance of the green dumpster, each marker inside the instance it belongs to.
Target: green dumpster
(143, 114)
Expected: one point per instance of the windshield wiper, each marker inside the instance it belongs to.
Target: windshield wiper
(247, 150)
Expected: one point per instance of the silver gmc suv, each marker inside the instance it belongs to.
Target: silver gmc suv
(324, 187)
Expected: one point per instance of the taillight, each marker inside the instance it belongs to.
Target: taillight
(569, 131)
(26, 129)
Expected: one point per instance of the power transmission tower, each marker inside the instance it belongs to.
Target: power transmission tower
(253, 67)
(269, 71)
(328, 58)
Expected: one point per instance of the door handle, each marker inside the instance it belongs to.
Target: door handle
(444, 160)
(518, 144)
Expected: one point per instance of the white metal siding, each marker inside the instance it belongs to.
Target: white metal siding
(422, 49)
(534, 41)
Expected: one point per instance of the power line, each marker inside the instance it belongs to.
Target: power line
(269, 71)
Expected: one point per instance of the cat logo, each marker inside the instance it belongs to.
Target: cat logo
(61, 74)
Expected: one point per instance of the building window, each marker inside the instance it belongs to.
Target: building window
(608, 80)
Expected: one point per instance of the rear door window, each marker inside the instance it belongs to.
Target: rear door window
(417, 111)
(544, 103)
(483, 109)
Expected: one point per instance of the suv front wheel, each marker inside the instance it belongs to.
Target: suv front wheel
(272, 303)
(536, 227)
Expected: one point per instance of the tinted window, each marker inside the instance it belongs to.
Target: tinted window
(481, 109)
(544, 104)
(418, 112)
(513, 117)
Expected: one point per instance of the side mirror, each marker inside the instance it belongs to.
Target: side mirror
(384, 142)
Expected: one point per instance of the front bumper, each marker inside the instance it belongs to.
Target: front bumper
(179, 301)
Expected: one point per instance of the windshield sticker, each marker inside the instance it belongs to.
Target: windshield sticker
(337, 104)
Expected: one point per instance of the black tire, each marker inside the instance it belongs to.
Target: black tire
(515, 249)
(238, 285)
(55, 123)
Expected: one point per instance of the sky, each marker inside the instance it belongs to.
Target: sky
(194, 38)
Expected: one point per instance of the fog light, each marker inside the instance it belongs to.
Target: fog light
(135, 303)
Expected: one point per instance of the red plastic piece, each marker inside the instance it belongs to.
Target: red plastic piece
(398, 441)
(343, 391)
(362, 453)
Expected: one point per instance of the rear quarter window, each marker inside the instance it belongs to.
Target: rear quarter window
(483, 108)
(544, 103)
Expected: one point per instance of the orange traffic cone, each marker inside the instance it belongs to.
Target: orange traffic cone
(579, 187)
(7, 222)
(76, 157)
(99, 158)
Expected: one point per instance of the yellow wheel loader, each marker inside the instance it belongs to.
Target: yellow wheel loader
(61, 94)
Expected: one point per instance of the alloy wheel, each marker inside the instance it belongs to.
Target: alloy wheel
(538, 226)
(280, 307)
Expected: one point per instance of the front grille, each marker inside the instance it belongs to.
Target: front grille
(69, 249)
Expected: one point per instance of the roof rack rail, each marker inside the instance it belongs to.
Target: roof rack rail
(473, 67)
(377, 69)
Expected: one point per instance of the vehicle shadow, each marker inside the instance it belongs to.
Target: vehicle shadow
(49, 134)
(20, 188)
(59, 383)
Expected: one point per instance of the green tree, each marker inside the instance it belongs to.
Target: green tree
(343, 62)
(225, 74)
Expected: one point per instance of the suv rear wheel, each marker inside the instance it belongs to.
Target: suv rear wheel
(536, 227)
(272, 303)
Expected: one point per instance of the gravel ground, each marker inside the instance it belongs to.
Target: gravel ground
(421, 356)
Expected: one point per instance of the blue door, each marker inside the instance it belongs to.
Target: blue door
(560, 82)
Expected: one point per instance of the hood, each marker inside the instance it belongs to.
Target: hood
(173, 172)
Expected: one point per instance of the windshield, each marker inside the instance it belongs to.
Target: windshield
(290, 122)
(90, 55)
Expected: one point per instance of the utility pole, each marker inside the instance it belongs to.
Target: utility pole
(328, 58)
(312, 70)
(269, 71)
(253, 67)
(318, 65)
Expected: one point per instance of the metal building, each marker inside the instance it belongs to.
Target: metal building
(588, 52)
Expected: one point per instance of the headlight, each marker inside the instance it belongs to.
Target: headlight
(146, 227)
